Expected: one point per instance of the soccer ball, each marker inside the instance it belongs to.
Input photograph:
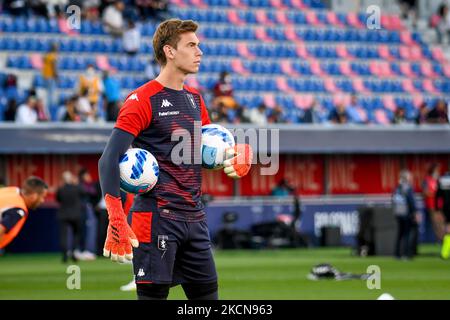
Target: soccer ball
(139, 171)
(215, 140)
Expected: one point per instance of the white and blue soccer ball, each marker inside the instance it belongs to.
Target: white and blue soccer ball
(215, 140)
(139, 171)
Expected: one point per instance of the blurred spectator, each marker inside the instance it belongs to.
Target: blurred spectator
(113, 19)
(153, 9)
(151, 69)
(10, 81)
(223, 91)
(356, 112)
(16, 7)
(218, 113)
(88, 219)
(429, 188)
(69, 197)
(131, 39)
(70, 113)
(276, 115)
(405, 209)
(422, 115)
(409, 11)
(399, 116)
(41, 111)
(91, 82)
(282, 189)
(11, 109)
(439, 22)
(240, 115)
(85, 108)
(26, 113)
(339, 114)
(439, 113)
(50, 75)
(258, 115)
(312, 114)
(91, 9)
(54, 7)
(112, 96)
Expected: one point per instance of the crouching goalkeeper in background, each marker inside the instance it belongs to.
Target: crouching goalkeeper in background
(168, 224)
(14, 205)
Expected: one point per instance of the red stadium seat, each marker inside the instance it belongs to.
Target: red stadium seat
(303, 101)
(287, 69)
(237, 4)
(381, 117)
(427, 69)
(234, 18)
(359, 86)
(261, 34)
(102, 63)
(238, 67)
(417, 101)
(406, 38)
(341, 99)
(391, 22)
(277, 4)
(315, 67)
(269, 100)
(179, 3)
(404, 52)
(353, 20)
(330, 86)
(199, 3)
(283, 85)
(385, 69)
(416, 53)
(429, 86)
(389, 102)
(291, 35)
(311, 18)
(437, 54)
(282, 18)
(302, 52)
(383, 51)
(333, 19)
(341, 50)
(408, 86)
(446, 69)
(405, 68)
(243, 51)
(261, 17)
(346, 68)
(298, 4)
(36, 61)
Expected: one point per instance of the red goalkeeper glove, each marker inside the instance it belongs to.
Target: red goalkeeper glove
(239, 161)
(120, 238)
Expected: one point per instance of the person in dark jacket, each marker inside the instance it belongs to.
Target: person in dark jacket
(69, 197)
(405, 209)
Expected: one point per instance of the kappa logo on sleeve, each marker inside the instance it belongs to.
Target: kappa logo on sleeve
(134, 96)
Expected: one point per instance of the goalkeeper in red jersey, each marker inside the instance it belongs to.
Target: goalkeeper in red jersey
(168, 232)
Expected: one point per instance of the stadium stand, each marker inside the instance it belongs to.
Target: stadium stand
(278, 52)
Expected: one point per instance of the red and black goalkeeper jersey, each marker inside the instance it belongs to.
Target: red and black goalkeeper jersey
(151, 114)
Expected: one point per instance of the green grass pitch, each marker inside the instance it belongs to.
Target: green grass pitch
(254, 275)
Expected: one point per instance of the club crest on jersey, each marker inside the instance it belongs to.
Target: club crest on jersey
(163, 242)
(191, 100)
(166, 103)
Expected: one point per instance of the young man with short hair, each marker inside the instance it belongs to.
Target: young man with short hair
(168, 224)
